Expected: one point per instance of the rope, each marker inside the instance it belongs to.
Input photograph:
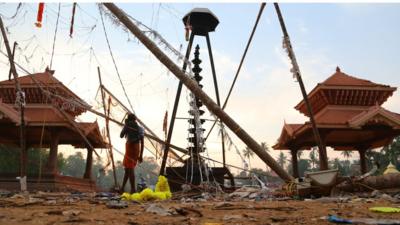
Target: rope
(112, 57)
(41, 139)
(55, 35)
(241, 62)
(15, 14)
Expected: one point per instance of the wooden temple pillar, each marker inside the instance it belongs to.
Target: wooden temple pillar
(295, 166)
(52, 162)
(89, 163)
(363, 160)
(323, 155)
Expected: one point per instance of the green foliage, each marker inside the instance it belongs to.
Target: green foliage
(314, 159)
(282, 159)
(37, 158)
(74, 165)
(387, 154)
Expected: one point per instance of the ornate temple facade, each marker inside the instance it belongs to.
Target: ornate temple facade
(349, 116)
(50, 120)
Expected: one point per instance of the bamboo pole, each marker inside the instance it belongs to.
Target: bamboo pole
(321, 147)
(107, 128)
(24, 153)
(198, 92)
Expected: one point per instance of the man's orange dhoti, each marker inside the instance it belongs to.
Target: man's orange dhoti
(131, 155)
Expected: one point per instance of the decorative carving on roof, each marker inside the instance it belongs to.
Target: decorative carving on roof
(35, 95)
(343, 89)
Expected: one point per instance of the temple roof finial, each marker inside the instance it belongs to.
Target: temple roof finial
(338, 69)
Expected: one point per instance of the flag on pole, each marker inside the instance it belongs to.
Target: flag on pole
(40, 15)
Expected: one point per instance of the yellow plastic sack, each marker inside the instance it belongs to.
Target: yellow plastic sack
(135, 197)
(147, 194)
(385, 209)
(163, 187)
(162, 184)
(162, 192)
(126, 196)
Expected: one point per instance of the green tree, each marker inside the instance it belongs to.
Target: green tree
(74, 165)
(265, 147)
(314, 159)
(282, 159)
(346, 154)
(37, 160)
(303, 166)
(248, 153)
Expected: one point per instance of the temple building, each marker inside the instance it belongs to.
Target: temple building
(349, 116)
(50, 120)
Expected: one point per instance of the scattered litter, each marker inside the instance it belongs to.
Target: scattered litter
(222, 205)
(333, 199)
(50, 202)
(185, 211)
(385, 209)
(76, 220)
(5, 193)
(34, 200)
(71, 212)
(114, 204)
(232, 217)
(54, 212)
(335, 219)
(278, 219)
(389, 198)
(159, 210)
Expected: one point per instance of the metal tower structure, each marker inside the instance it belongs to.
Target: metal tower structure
(200, 21)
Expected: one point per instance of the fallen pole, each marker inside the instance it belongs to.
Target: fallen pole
(198, 92)
(387, 181)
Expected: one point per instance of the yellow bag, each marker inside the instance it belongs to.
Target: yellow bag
(385, 209)
(162, 192)
(147, 194)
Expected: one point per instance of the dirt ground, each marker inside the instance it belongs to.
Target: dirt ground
(238, 212)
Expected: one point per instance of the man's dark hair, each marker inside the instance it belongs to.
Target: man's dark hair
(131, 117)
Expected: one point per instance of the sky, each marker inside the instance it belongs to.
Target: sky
(362, 39)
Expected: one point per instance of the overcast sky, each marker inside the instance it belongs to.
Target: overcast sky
(362, 39)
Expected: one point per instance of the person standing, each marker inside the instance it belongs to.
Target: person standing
(134, 146)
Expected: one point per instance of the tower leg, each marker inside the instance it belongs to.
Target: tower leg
(174, 111)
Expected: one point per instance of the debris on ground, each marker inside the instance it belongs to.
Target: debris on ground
(338, 220)
(114, 204)
(159, 210)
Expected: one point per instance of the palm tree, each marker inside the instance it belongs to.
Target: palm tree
(347, 154)
(282, 159)
(313, 158)
(248, 153)
(265, 147)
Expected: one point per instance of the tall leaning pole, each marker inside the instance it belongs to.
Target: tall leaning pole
(198, 92)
